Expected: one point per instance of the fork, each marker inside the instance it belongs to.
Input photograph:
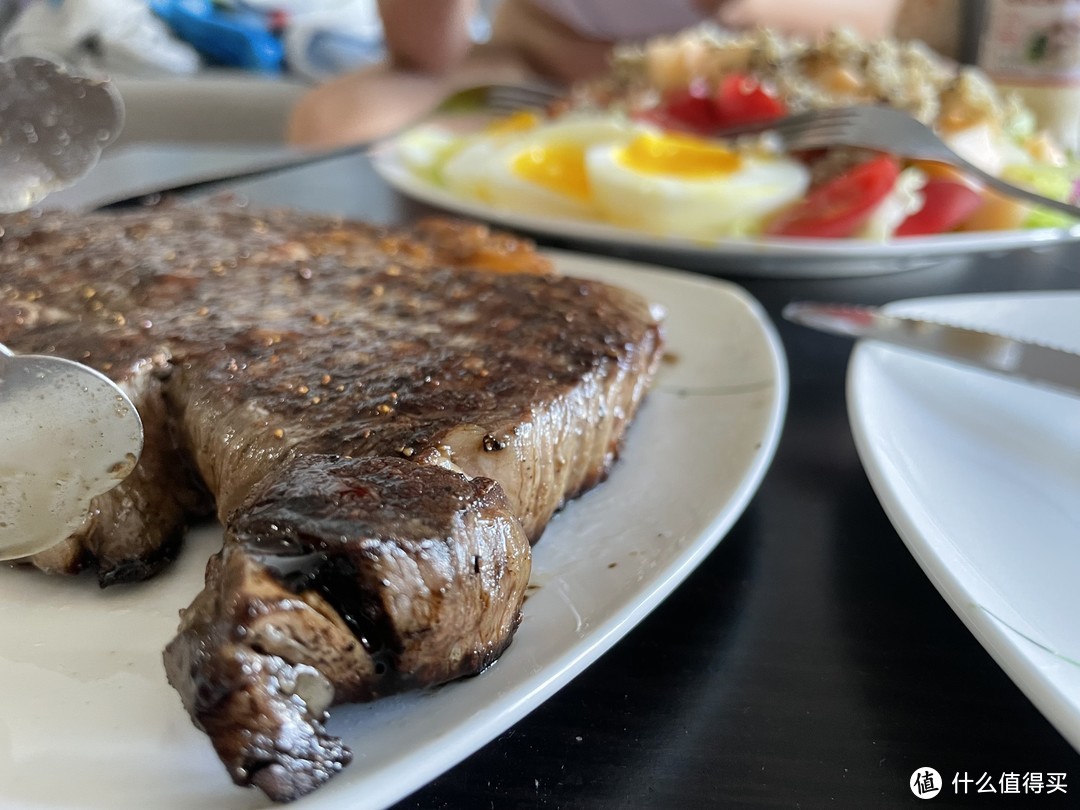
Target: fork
(496, 98)
(886, 129)
(500, 98)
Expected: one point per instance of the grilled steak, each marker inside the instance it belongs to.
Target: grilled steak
(346, 398)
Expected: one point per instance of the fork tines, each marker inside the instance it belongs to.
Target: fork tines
(511, 97)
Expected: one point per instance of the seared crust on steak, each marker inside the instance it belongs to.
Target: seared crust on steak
(347, 397)
(527, 379)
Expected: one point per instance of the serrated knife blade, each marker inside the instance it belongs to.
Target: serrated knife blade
(1027, 360)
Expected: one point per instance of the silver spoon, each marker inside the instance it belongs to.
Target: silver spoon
(53, 126)
(67, 434)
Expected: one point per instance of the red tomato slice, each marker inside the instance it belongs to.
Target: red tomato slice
(948, 203)
(837, 207)
(739, 99)
(697, 108)
(689, 109)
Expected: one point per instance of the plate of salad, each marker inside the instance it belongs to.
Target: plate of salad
(627, 162)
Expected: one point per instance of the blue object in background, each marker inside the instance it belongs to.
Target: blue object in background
(235, 38)
(332, 52)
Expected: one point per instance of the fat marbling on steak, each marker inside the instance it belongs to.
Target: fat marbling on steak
(346, 397)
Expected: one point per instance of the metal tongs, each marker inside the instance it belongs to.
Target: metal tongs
(67, 433)
(53, 126)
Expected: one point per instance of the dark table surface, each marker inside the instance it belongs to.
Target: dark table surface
(808, 662)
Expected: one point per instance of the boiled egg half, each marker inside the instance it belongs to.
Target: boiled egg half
(679, 185)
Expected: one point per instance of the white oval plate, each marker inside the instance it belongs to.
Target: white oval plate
(981, 477)
(87, 719)
(777, 257)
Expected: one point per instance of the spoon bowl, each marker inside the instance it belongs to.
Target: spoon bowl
(69, 434)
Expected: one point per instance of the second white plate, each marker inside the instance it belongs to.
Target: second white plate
(980, 476)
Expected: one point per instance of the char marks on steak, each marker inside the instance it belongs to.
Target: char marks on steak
(324, 385)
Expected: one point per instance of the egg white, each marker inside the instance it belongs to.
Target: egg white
(904, 200)
(425, 149)
(465, 171)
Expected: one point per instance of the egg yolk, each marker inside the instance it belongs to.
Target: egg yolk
(678, 155)
(556, 166)
(518, 122)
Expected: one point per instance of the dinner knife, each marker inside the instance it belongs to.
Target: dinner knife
(280, 161)
(1026, 360)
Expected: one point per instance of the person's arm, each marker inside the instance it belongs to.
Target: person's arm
(431, 36)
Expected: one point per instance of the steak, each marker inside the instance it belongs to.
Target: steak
(382, 419)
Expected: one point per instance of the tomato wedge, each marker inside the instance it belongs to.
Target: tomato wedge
(837, 207)
(740, 99)
(702, 109)
(689, 109)
(948, 203)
